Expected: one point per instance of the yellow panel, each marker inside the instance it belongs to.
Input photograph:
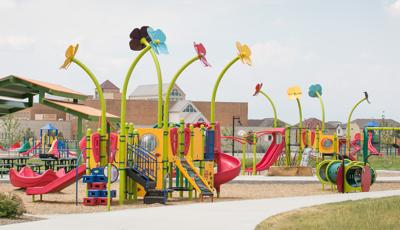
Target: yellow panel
(209, 172)
(198, 145)
(325, 139)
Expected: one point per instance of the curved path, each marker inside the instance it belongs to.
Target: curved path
(220, 215)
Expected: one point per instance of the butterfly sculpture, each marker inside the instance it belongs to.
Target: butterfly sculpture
(201, 52)
(69, 55)
(258, 89)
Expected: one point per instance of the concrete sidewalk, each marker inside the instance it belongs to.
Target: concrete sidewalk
(231, 215)
(299, 179)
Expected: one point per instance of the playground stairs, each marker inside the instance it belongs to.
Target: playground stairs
(143, 170)
(200, 183)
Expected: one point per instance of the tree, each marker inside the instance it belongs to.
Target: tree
(11, 131)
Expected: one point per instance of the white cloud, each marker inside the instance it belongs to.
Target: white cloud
(16, 43)
(394, 8)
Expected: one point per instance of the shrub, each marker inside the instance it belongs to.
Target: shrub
(11, 205)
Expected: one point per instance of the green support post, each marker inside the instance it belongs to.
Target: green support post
(317, 145)
(273, 107)
(122, 137)
(191, 156)
(299, 155)
(348, 137)
(203, 140)
(166, 117)
(323, 112)
(103, 130)
(287, 146)
(254, 153)
(244, 158)
(181, 150)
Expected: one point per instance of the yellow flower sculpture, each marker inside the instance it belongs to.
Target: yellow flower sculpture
(244, 53)
(69, 55)
(294, 92)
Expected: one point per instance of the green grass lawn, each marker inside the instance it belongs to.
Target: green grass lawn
(382, 213)
(385, 162)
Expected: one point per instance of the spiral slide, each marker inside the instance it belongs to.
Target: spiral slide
(228, 169)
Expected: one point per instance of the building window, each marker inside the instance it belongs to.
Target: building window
(189, 109)
(175, 92)
(201, 120)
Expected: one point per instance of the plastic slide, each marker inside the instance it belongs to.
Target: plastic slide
(25, 147)
(228, 169)
(271, 155)
(26, 153)
(58, 184)
(26, 177)
(356, 147)
(371, 148)
(15, 146)
(193, 176)
(54, 149)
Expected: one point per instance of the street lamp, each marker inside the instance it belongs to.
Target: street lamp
(234, 118)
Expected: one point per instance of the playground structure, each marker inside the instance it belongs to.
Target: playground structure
(155, 163)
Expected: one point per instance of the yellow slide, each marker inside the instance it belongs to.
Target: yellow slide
(193, 176)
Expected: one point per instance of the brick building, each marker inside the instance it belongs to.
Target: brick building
(141, 108)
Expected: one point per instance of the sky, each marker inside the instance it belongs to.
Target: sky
(346, 46)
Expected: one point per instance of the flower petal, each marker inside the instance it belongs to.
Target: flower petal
(162, 48)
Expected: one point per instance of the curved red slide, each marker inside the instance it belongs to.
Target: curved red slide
(58, 184)
(273, 152)
(371, 148)
(26, 177)
(356, 147)
(228, 169)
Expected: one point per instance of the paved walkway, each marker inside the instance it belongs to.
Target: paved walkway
(231, 215)
(299, 179)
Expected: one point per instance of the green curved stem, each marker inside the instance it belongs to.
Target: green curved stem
(323, 112)
(300, 113)
(216, 85)
(122, 130)
(103, 131)
(348, 124)
(159, 77)
(166, 114)
(273, 107)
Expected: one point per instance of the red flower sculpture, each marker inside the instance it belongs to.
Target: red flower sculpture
(201, 51)
(258, 88)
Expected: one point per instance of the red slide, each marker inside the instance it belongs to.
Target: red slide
(371, 148)
(356, 147)
(26, 177)
(58, 184)
(273, 152)
(228, 166)
(228, 169)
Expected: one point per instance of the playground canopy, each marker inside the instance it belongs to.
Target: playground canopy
(16, 93)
